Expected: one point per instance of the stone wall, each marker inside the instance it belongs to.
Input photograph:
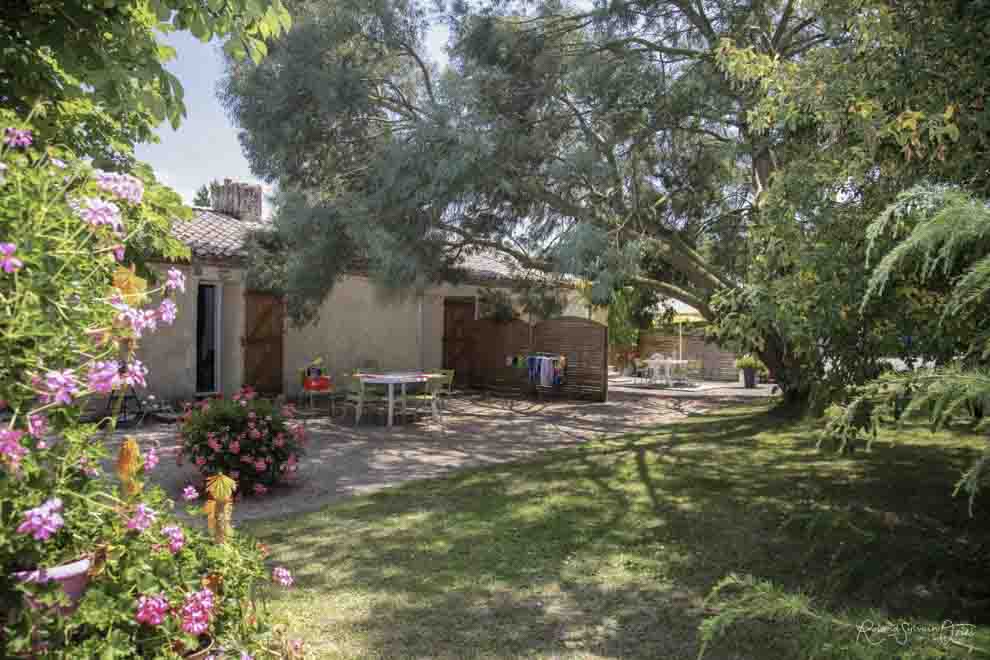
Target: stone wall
(240, 200)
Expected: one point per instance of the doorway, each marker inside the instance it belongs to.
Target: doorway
(457, 313)
(207, 339)
(264, 320)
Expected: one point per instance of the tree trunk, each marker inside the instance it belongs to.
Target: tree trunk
(786, 371)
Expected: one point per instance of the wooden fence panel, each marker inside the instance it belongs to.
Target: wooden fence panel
(585, 345)
(716, 363)
(492, 345)
(489, 344)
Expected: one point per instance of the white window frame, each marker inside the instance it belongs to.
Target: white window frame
(218, 330)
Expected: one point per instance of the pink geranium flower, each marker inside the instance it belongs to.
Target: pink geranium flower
(142, 519)
(58, 386)
(37, 425)
(167, 311)
(282, 576)
(11, 447)
(102, 376)
(189, 494)
(44, 521)
(176, 280)
(176, 538)
(197, 611)
(151, 610)
(123, 186)
(18, 137)
(260, 489)
(150, 460)
(8, 261)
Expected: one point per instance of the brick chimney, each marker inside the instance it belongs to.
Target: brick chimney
(240, 200)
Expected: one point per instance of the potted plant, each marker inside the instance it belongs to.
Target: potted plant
(749, 364)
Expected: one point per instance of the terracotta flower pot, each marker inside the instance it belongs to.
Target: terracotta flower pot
(73, 578)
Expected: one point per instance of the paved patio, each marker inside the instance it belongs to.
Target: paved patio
(344, 460)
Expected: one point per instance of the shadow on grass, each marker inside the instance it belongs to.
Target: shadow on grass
(608, 550)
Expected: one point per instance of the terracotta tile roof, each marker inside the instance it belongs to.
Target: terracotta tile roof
(214, 235)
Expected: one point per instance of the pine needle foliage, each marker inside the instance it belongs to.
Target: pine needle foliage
(943, 236)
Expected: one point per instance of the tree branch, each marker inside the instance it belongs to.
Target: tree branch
(677, 293)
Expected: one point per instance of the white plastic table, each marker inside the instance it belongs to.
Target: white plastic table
(666, 363)
(401, 378)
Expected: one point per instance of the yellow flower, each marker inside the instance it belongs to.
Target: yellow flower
(128, 464)
(131, 287)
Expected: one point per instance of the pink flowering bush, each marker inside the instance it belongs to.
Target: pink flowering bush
(249, 439)
(76, 300)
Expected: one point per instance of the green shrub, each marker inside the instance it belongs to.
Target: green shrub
(749, 361)
(247, 438)
(71, 316)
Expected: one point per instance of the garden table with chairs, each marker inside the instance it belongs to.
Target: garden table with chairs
(433, 381)
(656, 362)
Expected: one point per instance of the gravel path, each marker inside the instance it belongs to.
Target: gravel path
(343, 460)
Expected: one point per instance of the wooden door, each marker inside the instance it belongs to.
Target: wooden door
(456, 350)
(263, 325)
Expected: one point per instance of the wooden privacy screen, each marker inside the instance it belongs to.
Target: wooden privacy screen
(584, 343)
(716, 363)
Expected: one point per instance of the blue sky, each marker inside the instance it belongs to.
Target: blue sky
(205, 146)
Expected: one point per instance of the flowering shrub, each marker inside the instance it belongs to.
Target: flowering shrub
(247, 438)
(92, 568)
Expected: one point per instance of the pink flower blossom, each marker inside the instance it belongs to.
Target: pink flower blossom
(138, 319)
(151, 610)
(167, 311)
(260, 466)
(123, 186)
(176, 538)
(87, 468)
(282, 576)
(213, 444)
(260, 489)
(189, 494)
(288, 410)
(150, 460)
(18, 137)
(8, 261)
(37, 425)
(60, 164)
(142, 519)
(235, 447)
(118, 253)
(134, 374)
(254, 434)
(103, 375)
(176, 280)
(201, 461)
(98, 212)
(197, 611)
(44, 521)
(11, 447)
(280, 440)
(59, 386)
(246, 656)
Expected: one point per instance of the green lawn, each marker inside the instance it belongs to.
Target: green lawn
(608, 551)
